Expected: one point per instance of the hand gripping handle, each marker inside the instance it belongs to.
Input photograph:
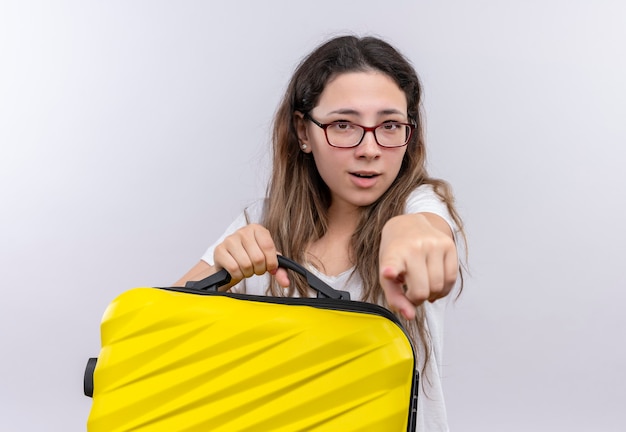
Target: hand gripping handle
(222, 277)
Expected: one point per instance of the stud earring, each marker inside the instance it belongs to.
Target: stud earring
(303, 146)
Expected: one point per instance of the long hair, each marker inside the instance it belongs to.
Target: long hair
(298, 199)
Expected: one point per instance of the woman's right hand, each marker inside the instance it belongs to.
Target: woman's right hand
(248, 251)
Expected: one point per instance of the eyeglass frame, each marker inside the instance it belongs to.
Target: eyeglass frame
(366, 129)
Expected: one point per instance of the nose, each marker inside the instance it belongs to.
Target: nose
(368, 148)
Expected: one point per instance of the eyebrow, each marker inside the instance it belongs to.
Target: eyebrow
(355, 112)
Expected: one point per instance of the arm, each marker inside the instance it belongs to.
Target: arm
(418, 261)
(197, 272)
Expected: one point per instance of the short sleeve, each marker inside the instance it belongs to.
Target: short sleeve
(424, 199)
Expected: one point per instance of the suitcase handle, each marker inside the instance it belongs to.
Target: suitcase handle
(222, 277)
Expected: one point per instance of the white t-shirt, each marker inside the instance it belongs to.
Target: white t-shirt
(431, 411)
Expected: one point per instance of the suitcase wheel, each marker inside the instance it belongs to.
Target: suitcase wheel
(88, 381)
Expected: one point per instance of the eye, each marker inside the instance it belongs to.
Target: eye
(390, 126)
(342, 126)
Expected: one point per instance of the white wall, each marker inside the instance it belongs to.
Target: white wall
(132, 132)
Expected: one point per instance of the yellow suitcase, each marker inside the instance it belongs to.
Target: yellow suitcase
(195, 359)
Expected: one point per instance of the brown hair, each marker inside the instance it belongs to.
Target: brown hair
(298, 199)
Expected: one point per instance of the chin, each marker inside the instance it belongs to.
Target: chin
(366, 201)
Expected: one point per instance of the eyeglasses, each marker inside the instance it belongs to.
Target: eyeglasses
(345, 134)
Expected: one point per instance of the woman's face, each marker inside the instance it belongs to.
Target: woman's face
(360, 175)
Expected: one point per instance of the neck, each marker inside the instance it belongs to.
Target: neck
(332, 254)
(342, 221)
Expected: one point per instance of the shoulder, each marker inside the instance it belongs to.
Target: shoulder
(423, 193)
(425, 199)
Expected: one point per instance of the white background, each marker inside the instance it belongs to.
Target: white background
(132, 132)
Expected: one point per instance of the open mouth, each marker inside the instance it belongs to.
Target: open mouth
(364, 175)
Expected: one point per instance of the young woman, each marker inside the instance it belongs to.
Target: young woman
(350, 198)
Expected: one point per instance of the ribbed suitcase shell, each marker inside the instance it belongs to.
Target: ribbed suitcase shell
(176, 361)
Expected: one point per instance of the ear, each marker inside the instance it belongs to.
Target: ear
(300, 124)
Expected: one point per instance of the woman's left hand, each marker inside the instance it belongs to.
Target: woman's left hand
(418, 261)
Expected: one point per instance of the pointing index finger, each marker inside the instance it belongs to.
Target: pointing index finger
(392, 283)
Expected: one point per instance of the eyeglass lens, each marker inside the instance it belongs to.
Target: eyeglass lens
(350, 135)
